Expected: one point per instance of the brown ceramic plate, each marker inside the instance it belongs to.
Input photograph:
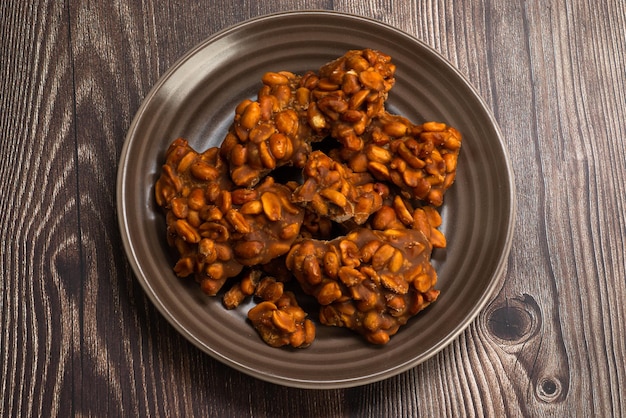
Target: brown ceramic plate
(196, 99)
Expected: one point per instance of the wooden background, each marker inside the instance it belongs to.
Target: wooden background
(79, 338)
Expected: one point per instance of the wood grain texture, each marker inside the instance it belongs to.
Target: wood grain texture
(79, 338)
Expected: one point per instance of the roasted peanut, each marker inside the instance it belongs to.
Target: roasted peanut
(290, 231)
(179, 207)
(196, 200)
(224, 252)
(234, 296)
(280, 146)
(215, 231)
(269, 289)
(331, 264)
(312, 270)
(206, 251)
(274, 79)
(184, 267)
(271, 206)
(328, 293)
(350, 276)
(224, 201)
(382, 256)
(248, 249)
(193, 219)
(238, 221)
(261, 133)
(242, 196)
(211, 286)
(396, 262)
(252, 208)
(186, 231)
(251, 115)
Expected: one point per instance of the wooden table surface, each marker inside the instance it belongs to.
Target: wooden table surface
(80, 338)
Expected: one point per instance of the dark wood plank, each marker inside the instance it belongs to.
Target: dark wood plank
(39, 220)
(80, 338)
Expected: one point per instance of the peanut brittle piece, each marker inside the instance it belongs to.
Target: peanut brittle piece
(348, 92)
(269, 132)
(216, 228)
(369, 281)
(419, 159)
(292, 111)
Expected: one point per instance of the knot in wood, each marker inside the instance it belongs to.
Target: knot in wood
(549, 389)
(514, 321)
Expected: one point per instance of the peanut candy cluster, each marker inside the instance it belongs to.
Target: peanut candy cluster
(278, 318)
(420, 159)
(369, 281)
(270, 132)
(347, 93)
(219, 228)
(355, 227)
